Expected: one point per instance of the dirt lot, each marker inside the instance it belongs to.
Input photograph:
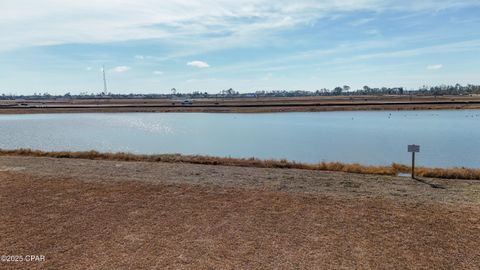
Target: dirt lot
(84, 214)
(245, 105)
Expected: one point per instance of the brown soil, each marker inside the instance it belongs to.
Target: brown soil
(91, 214)
(244, 105)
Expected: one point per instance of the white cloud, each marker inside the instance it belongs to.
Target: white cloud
(360, 22)
(268, 76)
(88, 68)
(139, 57)
(463, 46)
(435, 67)
(158, 72)
(27, 23)
(373, 32)
(120, 69)
(198, 64)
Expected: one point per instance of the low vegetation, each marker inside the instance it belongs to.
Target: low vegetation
(393, 169)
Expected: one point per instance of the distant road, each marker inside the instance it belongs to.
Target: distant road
(244, 105)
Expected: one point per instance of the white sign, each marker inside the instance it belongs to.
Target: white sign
(414, 148)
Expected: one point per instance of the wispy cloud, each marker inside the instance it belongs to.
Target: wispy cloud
(373, 32)
(243, 41)
(435, 67)
(361, 21)
(463, 46)
(267, 76)
(50, 22)
(120, 69)
(198, 64)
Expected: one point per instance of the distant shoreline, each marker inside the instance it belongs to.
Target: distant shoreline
(244, 105)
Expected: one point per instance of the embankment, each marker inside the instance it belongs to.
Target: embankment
(393, 169)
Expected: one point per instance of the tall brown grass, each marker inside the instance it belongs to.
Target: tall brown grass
(393, 169)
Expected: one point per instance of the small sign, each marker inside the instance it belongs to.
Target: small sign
(413, 148)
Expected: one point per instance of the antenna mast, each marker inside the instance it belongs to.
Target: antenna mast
(104, 80)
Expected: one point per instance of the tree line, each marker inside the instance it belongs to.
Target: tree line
(345, 90)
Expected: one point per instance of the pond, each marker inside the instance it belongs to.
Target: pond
(447, 138)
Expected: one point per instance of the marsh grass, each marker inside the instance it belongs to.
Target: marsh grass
(393, 169)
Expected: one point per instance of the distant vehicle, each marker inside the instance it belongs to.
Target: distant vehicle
(187, 102)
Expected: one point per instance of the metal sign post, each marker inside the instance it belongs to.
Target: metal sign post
(412, 148)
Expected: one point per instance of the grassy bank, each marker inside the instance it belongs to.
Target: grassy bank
(393, 169)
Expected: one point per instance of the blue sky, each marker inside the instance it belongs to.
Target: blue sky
(152, 46)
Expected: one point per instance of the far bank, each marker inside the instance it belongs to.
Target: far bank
(242, 105)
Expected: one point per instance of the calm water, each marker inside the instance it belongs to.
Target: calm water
(447, 138)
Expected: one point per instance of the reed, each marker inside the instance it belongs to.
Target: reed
(393, 169)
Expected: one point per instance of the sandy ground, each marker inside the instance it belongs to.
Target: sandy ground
(84, 214)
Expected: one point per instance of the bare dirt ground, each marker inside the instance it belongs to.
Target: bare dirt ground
(244, 105)
(86, 214)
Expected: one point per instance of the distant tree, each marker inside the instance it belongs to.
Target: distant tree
(346, 88)
(230, 91)
(337, 90)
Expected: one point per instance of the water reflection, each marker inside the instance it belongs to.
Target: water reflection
(448, 138)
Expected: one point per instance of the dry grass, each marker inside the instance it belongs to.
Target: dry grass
(81, 224)
(394, 169)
